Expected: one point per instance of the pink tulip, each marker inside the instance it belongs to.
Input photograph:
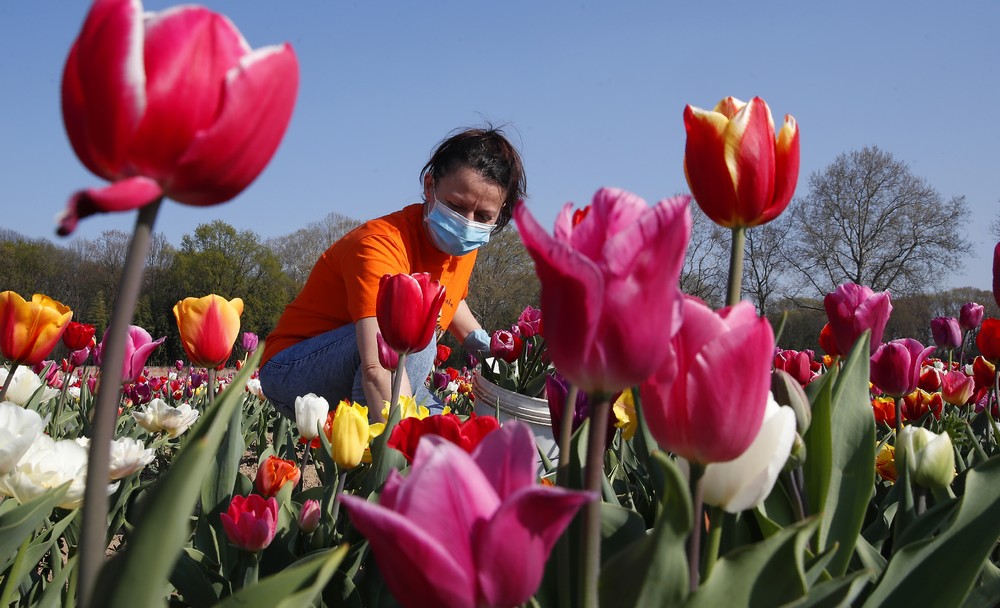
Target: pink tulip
(714, 407)
(946, 332)
(529, 323)
(610, 299)
(407, 308)
(971, 316)
(172, 104)
(138, 346)
(957, 388)
(309, 516)
(79, 357)
(895, 366)
(852, 309)
(798, 364)
(466, 530)
(250, 521)
(249, 341)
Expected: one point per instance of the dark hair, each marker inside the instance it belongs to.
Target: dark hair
(487, 151)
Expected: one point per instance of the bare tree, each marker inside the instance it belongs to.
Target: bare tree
(503, 281)
(706, 262)
(869, 220)
(299, 250)
(765, 263)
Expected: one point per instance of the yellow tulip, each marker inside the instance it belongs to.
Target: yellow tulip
(625, 417)
(349, 434)
(408, 408)
(30, 330)
(208, 326)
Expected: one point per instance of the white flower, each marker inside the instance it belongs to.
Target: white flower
(24, 385)
(310, 412)
(253, 387)
(745, 482)
(128, 456)
(929, 457)
(18, 429)
(74, 393)
(49, 464)
(158, 416)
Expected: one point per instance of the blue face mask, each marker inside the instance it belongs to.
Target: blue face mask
(452, 233)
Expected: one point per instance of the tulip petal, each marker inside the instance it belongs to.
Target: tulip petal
(711, 181)
(256, 108)
(749, 151)
(398, 542)
(104, 86)
(123, 195)
(786, 169)
(611, 211)
(508, 458)
(513, 547)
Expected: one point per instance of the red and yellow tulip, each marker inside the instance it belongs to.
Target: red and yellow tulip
(209, 326)
(29, 330)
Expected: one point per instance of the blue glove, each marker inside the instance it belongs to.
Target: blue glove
(477, 343)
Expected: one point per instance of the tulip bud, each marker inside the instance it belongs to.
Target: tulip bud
(309, 516)
(250, 521)
(970, 316)
(387, 357)
(929, 457)
(885, 462)
(274, 473)
(787, 391)
(310, 411)
(249, 341)
(349, 434)
(946, 332)
(957, 388)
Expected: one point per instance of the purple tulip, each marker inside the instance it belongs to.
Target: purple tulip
(946, 332)
(480, 520)
(610, 298)
(439, 381)
(852, 309)
(895, 366)
(80, 356)
(249, 341)
(556, 389)
(970, 316)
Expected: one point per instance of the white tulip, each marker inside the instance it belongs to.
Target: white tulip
(24, 385)
(157, 416)
(18, 429)
(745, 482)
(310, 412)
(253, 387)
(929, 457)
(49, 464)
(128, 456)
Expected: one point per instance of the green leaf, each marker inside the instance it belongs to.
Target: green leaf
(42, 544)
(136, 576)
(653, 571)
(20, 522)
(220, 479)
(295, 586)
(914, 573)
(196, 580)
(620, 527)
(52, 596)
(834, 593)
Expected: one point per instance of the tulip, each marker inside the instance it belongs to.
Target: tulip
(79, 357)
(744, 482)
(885, 462)
(988, 340)
(714, 408)
(250, 521)
(787, 391)
(128, 456)
(309, 516)
(139, 345)
(929, 457)
(310, 412)
(249, 341)
(274, 473)
(930, 378)
(919, 403)
(529, 322)
(505, 345)
(253, 387)
(852, 309)
(740, 174)
(208, 328)
(827, 342)
(480, 519)
(556, 390)
(970, 316)
(157, 417)
(957, 388)
(797, 364)
(996, 274)
(946, 332)
(466, 435)
(24, 386)
(30, 330)
(78, 335)
(443, 352)
(387, 358)
(407, 308)
(625, 415)
(48, 464)
(171, 104)
(348, 434)
(18, 429)
(408, 408)
(895, 366)
(610, 297)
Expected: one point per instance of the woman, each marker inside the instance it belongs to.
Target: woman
(325, 342)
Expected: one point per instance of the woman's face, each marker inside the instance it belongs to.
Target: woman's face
(465, 191)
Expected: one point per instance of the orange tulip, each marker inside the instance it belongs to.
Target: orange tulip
(208, 326)
(30, 330)
(274, 473)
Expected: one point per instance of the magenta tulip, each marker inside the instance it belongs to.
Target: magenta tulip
(957, 388)
(387, 358)
(407, 308)
(250, 521)
(714, 407)
(249, 341)
(171, 104)
(895, 366)
(970, 316)
(946, 331)
(852, 309)
(466, 530)
(610, 299)
(139, 345)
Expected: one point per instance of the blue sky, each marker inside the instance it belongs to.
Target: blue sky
(593, 93)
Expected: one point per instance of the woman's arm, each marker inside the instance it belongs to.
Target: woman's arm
(375, 379)
(463, 323)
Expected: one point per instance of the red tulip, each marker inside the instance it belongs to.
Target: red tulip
(946, 332)
(996, 274)
(884, 409)
(467, 435)
(250, 521)
(988, 340)
(530, 322)
(895, 366)
(274, 473)
(387, 358)
(828, 343)
(797, 364)
(171, 104)
(610, 297)
(739, 173)
(506, 345)
(407, 308)
(930, 378)
(918, 403)
(443, 352)
(208, 327)
(78, 335)
(713, 409)
(852, 309)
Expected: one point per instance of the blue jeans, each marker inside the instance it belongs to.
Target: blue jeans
(329, 365)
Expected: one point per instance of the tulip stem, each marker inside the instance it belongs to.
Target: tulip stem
(694, 542)
(95, 497)
(899, 415)
(380, 470)
(713, 541)
(341, 480)
(735, 284)
(211, 386)
(592, 511)
(8, 381)
(562, 480)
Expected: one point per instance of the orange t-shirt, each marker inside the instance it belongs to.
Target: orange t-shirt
(343, 284)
